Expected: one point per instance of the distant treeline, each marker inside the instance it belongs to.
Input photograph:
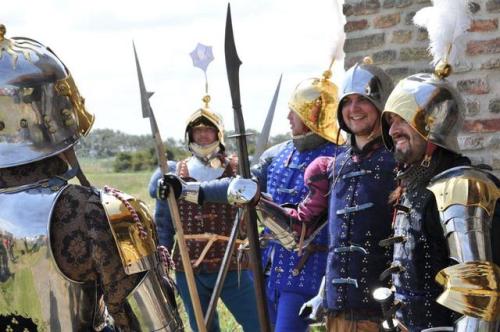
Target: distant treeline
(137, 152)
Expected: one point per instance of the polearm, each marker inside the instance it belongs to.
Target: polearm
(263, 138)
(231, 243)
(147, 112)
(232, 67)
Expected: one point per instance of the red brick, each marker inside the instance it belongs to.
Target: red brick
(475, 86)
(364, 43)
(493, 6)
(472, 108)
(490, 46)
(365, 7)
(494, 106)
(386, 21)
(471, 142)
(422, 35)
(401, 36)
(414, 54)
(482, 126)
(355, 25)
(491, 64)
(484, 25)
(385, 56)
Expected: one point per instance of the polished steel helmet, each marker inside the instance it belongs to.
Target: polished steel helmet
(205, 117)
(41, 110)
(369, 81)
(431, 105)
(315, 101)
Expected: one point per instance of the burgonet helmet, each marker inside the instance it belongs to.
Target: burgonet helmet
(431, 105)
(315, 101)
(41, 111)
(369, 81)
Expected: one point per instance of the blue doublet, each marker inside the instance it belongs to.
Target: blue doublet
(359, 216)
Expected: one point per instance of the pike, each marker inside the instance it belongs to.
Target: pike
(226, 260)
(261, 143)
(147, 112)
(232, 67)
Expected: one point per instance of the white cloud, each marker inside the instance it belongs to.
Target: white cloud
(94, 39)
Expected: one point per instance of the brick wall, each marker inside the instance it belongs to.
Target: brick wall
(384, 30)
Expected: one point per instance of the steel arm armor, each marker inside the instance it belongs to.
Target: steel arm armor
(135, 237)
(466, 199)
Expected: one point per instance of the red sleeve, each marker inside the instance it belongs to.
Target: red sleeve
(316, 201)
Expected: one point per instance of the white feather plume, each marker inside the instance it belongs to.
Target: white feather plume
(338, 34)
(446, 22)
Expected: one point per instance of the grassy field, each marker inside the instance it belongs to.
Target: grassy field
(100, 173)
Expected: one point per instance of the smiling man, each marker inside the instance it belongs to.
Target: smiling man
(446, 227)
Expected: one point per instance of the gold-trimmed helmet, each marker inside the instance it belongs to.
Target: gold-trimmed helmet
(431, 105)
(315, 101)
(369, 81)
(205, 117)
(41, 110)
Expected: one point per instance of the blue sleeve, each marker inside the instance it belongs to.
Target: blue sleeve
(153, 183)
(214, 191)
(162, 217)
(164, 224)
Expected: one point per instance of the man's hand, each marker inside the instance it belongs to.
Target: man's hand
(168, 182)
(313, 309)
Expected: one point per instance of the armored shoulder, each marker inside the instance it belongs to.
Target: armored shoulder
(132, 227)
(467, 186)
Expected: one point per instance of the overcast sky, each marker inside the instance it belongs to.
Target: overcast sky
(94, 40)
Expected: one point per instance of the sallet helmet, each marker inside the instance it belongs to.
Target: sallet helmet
(369, 81)
(431, 105)
(41, 111)
(204, 117)
(315, 101)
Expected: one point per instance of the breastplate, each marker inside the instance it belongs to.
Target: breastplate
(34, 291)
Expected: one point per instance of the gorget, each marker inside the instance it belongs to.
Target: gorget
(417, 175)
(307, 141)
(203, 172)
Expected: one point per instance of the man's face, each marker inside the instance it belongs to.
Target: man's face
(296, 125)
(360, 115)
(204, 135)
(409, 145)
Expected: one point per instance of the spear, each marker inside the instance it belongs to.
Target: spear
(147, 112)
(232, 67)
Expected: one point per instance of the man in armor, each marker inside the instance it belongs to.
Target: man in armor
(446, 218)
(207, 226)
(81, 253)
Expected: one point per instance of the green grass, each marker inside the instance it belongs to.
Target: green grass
(100, 173)
(16, 294)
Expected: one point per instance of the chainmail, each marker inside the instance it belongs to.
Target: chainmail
(308, 141)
